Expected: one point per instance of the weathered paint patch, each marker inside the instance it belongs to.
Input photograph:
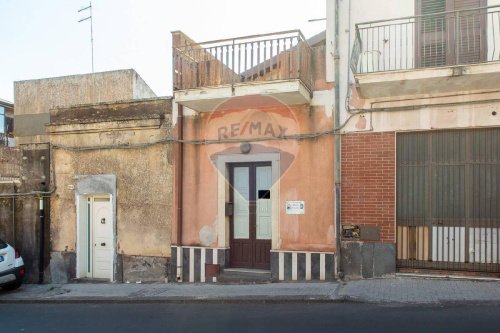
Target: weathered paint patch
(62, 267)
(208, 235)
(145, 269)
(368, 260)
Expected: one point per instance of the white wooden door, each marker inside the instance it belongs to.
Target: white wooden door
(101, 237)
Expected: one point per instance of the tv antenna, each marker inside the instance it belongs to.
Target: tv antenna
(89, 8)
(317, 19)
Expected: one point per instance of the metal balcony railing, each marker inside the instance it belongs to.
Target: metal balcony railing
(277, 56)
(10, 163)
(4, 140)
(442, 39)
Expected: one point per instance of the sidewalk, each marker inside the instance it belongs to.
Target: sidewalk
(210, 293)
(390, 290)
(420, 291)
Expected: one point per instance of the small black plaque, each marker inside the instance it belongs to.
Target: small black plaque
(264, 194)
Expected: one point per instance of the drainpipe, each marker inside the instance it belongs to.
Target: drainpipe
(14, 219)
(180, 168)
(41, 256)
(337, 141)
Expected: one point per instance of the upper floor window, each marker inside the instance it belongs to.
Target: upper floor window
(450, 32)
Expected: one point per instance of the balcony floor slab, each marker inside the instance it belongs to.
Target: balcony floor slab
(470, 77)
(209, 99)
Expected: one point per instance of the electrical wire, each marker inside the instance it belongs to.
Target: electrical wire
(170, 140)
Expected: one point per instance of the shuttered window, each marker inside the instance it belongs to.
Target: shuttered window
(449, 38)
(471, 30)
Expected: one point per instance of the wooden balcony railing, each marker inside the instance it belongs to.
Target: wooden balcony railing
(277, 56)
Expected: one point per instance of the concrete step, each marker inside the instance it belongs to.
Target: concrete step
(89, 280)
(244, 276)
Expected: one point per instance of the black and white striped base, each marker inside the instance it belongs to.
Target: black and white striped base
(302, 266)
(188, 264)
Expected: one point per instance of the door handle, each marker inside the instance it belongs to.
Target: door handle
(103, 244)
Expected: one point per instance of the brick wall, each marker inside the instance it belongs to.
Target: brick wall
(368, 181)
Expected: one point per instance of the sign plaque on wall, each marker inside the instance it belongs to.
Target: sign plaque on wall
(295, 207)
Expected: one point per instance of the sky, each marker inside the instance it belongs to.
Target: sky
(41, 38)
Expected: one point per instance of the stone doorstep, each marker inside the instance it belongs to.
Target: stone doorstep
(88, 280)
(244, 276)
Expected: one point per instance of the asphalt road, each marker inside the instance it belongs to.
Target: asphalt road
(339, 317)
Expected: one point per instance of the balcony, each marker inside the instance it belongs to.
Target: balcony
(438, 53)
(10, 166)
(278, 64)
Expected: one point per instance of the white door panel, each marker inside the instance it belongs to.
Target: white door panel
(103, 231)
(264, 218)
(98, 252)
(448, 244)
(241, 198)
(483, 245)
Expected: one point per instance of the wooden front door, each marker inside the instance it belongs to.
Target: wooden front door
(251, 218)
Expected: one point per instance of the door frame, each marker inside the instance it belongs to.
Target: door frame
(93, 185)
(83, 230)
(222, 164)
(252, 208)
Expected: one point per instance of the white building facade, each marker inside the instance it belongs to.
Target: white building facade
(418, 119)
